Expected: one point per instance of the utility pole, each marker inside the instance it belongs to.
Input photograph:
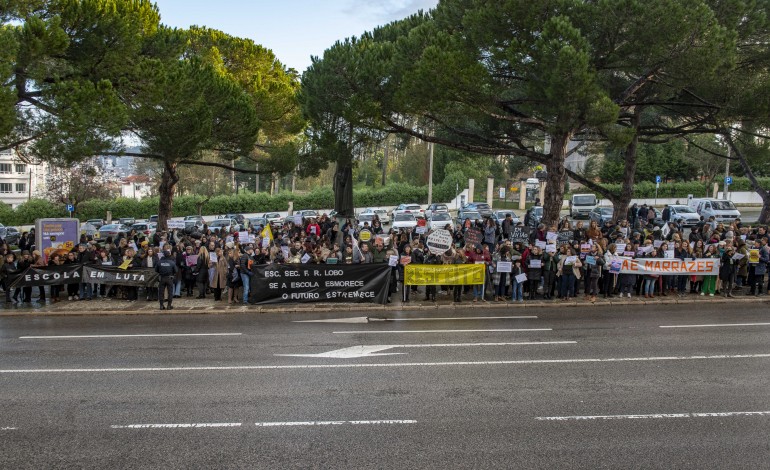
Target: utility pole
(256, 189)
(727, 173)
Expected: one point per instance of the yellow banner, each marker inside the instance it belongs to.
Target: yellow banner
(444, 274)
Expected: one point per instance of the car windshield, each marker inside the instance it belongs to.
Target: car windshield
(220, 223)
(412, 207)
(441, 207)
(366, 218)
(482, 205)
(404, 218)
(684, 210)
(471, 215)
(262, 222)
(442, 216)
(110, 227)
(607, 210)
(723, 205)
(584, 200)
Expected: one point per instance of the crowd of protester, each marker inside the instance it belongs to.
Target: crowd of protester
(218, 265)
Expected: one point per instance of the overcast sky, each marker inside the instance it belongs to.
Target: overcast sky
(293, 29)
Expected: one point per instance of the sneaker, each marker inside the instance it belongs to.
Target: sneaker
(711, 295)
(77, 297)
(702, 293)
(629, 295)
(69, 298)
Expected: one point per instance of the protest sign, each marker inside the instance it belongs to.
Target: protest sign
(520, 234)
(444, 274)
(504, 266)
(521, 278)
(439, 241)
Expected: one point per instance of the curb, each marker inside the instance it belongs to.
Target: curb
(230, 310)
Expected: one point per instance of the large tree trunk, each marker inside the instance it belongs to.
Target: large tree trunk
(620, 204)
(168, 181)
(557, 177)
(385, 162)
(343, 190)
(764, 215)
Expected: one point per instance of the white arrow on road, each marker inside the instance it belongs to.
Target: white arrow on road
(371, 319)
(371, 351)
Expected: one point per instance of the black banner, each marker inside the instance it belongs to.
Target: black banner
(306, 283)
(140, 277)
(473, 237)
(48, 276)
(565, 237)
(520, 234)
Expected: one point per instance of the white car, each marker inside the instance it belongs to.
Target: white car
(224, 225)
(274, 218)
(440, 220)
(435, 209)
(684, 214)
(413, 209)
(404, 221)
(499, 216)
(365, 218)
(381, 213)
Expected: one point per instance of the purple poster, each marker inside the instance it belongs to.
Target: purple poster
(56, 236)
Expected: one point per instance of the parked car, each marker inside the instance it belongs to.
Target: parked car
(128, 221)
(382, 214)
(536, 215)
(440, 220)
(226, 225)
(499, 216)
(239, 218)
(722, 210)
(307, 214)
(147, 228)
(193, 221)
(463, 214)
(3, 231)
(413, 209)
(112, 230)
(196, 218)
(404, 221)
(258, 222)
(99, 222)
(601, 215)
(581, 205)
(435, 209)
(685, 215)
(153, 218)
(365, 219)
(12, 236)
(480, 207)
(274, 218)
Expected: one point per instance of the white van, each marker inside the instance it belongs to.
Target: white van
(721, 209)
(581, 205)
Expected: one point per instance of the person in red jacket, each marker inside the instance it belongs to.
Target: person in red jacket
(313, 229)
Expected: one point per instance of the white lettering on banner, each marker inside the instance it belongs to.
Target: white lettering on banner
(663, 266)
(51, 276)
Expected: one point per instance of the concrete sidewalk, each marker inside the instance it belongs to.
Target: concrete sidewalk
(208, 306)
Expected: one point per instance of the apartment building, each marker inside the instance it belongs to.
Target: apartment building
(19, 181)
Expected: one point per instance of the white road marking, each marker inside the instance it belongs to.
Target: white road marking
(395, 364)
(375, 319)
(369, 351)
(8, 429)
(335, 423)
(130, 336)
(438, 331)
(714, 325)
(656, 416)
(177, 425)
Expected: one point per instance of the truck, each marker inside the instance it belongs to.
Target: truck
(721, 209)
(581, 205)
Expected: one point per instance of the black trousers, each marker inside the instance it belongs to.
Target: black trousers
(165, 284)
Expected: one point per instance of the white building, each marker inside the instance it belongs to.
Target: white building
(136, 186)
(19, 181)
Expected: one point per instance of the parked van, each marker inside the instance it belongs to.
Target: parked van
(721, 209)
(581, 205)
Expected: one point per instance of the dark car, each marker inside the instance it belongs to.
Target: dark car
(463, 214)
(12, 236)
(480, 207)
(601, 215)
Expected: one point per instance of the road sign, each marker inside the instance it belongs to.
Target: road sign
(658, 179)
(502, 193)
(70, 208)
(728, 180)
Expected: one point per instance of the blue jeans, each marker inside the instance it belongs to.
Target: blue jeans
(518, 291)
(649, 286)
(178, 288)
(478, 291)
(568, 284)
(246, 280)
(85, 291)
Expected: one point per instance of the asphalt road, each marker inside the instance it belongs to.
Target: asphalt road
(571, 388)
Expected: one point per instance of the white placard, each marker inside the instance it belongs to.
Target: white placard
(535, 263)
(393, 260)
(646, 249)
(305, 258)
(175, 224)
(570, 260)
(265, 242)
(620, 247)
(213, 257)
(439, 241)
(420, 230)
(551, 236)
(550, 249)
(298, 219)
(669, 254)
(540, 244)
(285, 250)
(521, 278)
(504, 266)
(738, 256)
(657, 243)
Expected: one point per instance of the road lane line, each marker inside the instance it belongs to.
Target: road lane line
(334, 423)
(394, 364)
(655, 416)
(357, 352)
(176, 425)
(714, 325)
(439, 331)
(8, 429)
(376, 319)
(154, 335)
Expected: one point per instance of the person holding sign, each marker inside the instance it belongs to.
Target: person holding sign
(594, 271)
(550, 266)
(569, 271)
(727, 270)
(534, 270)
(710, 282)
(518, 278)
